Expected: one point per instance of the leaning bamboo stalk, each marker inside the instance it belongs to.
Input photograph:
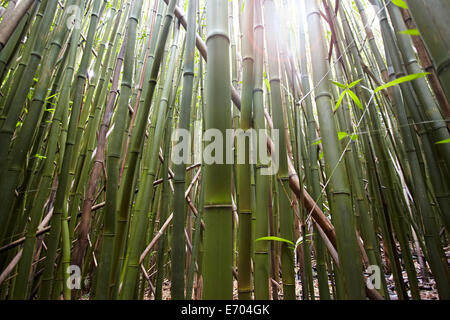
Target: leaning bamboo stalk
(15, 106)
(429, 17)
(98, 161)
(339, 185)
(428, 66)
(48, 169)
(10, 22)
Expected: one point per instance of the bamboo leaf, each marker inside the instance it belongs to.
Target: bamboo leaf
(321, 155)
(355, 99)
(400, 3)
(40, 157)
(342, 135)
(411, 32)
(340, 85)
(443, 141)
(267, 83)
(354, 83)
(341, 97)
(272, 238)
(401, 80)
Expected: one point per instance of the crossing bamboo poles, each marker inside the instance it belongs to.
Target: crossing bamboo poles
(13, 108)
(103, 123)
(113, 157)
(217, 258)
(437, 260)
(59, 221)
(339, 190)
(143, 200)
(426, 100)
(36, 214)
(138, 134)
(430, 18)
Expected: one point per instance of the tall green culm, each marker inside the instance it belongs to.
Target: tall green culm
(261, 248)
(243, 165)
(217, 257)
(178, 243)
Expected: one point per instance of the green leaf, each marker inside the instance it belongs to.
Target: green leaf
(321, 155)
(443, 141)
(411, 32)
(271, 238)
(340, 85)
(341, 97)
(342, 135)
(267, 83)
(40, 157)
(400, 3)
(401, 80)
(52, 96)
(355, 99)
(317, 142)
(354, 83)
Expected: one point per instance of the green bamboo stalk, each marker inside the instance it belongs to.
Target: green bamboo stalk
(243, 169)
(261, 248)
(178, 243)
(217, 258)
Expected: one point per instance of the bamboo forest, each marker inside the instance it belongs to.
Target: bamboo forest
(224, 150)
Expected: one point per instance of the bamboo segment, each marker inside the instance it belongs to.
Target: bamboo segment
(217, 256)
(243, 170)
